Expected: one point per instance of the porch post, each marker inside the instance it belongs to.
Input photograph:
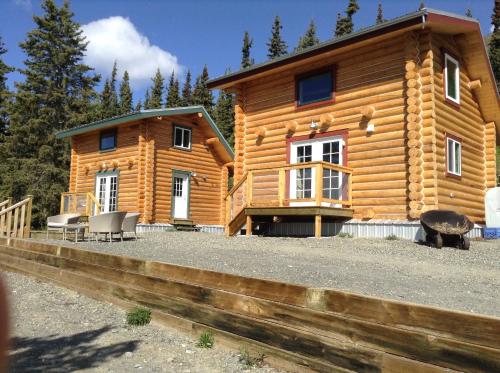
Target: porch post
(317, 226)
(249, 226)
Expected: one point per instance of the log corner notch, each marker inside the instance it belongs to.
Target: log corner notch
(475, 84)
(291, 126)
(212, 141)
(326, 120)
(261, 132)
(367, 111)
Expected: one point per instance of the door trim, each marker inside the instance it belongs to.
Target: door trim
(172, 199)
(113, 172)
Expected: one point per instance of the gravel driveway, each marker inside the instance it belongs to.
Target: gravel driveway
(57, 330)
(400, 269)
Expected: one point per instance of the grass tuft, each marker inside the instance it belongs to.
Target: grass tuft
(391, 237)
(246, 359)
(206, 340)
(139, 316)
(344, 235)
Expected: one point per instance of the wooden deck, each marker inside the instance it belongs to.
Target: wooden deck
(300, 211)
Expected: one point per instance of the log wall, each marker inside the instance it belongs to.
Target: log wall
(145, 159)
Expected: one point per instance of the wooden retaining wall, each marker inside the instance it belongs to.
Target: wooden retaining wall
(297, 327)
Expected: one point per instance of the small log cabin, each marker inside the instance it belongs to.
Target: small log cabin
(170, 165)
(376, 126)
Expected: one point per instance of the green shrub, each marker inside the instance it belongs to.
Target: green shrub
(206, 340)
(344, 235)
(139, 316)
(249, 361)
(391, 237)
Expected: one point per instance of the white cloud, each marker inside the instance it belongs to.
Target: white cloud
(25, 4)
(117, 39)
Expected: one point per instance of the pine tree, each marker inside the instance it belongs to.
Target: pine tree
(156, 100)
(187, 99)
(276, 46)
(494, 43)
(422, 6)
(246, 60)
(105, 110)
(55, 94)
(138, 106)
(344, 24)
(380, 15)
(309, 39)
(468, 12)
(114, 105)
(125, 95)
(201, 94)
(224, 115)
(173, 98)
(147, 100)
(4, 92)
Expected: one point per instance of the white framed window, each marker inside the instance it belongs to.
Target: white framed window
(452, 78)
(454, 156)
(182, 137)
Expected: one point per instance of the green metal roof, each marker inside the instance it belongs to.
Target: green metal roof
(143, 114)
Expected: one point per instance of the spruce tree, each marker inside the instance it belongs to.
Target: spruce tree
(276, 46)
(115, 107)
(224, 115)
(345, 24)
(173, 98)
(147, 99)
(55, 94)
(156, 100)
(380, 15)
(106, 110)
(187, 98)
(138, 106)
(422, 6)
(246, 60)
(468, 12)
(309, 39)
(125, 94)
(201, 94)
(494, 43)
(4, 92)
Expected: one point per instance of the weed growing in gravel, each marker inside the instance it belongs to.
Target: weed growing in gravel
(391, 237)
(249, 361)
(206, 340)
(139, 316)
(344, 235)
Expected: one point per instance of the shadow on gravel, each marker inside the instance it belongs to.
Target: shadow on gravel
(64, 354)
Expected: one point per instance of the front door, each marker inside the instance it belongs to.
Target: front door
(303, 181)
(180, 191)
(106, 192)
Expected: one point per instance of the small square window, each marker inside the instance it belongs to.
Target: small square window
(452, 78)
(454, 156)
(182, 137)
(315, 88)
(107, 140)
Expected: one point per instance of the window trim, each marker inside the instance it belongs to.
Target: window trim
(105, 132)
(454, 140)
(331, 100)
(190, 137)
(450, 56)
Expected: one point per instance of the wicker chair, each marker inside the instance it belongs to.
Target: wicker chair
(107, 223)
(57, 222)
(130, 223)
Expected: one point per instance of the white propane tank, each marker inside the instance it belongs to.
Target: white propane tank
(492, 208)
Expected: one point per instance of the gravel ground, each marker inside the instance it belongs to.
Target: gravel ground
(59, 330)
(399, 269)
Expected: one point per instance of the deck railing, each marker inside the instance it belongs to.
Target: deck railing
(82, 203)
(302, 184)
(15, 220)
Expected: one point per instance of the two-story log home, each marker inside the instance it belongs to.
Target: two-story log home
(376, 126)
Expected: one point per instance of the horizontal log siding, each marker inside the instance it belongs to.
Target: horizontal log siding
(372, 75)
(205, 198)
(467, 194)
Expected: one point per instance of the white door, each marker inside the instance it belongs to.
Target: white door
(303, 181)
(106, 192)
(180, 190)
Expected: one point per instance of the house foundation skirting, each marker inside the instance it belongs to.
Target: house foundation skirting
(411, 230)
(159, 227)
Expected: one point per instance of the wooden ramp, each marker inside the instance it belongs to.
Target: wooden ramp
(296, 327)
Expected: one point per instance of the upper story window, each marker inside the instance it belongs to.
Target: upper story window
(452, 78)
(107, 140)
(182, 138)
(453, 156)
(313, 88)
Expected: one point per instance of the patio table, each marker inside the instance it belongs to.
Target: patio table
(77, 228)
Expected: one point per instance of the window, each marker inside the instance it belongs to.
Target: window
(454, 156)
(304, 175)
(182, 137)
(107, 192)
(452, 78)
(108, 140)
(315, 88)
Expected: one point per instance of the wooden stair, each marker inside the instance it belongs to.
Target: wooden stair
(237, 223)
(296, 327)
(185, 225)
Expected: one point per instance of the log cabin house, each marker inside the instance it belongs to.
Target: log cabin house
(373, 127)
(170, 165)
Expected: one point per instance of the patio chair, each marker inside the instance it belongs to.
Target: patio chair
(57, 222)
(130, 223)
(107, 223)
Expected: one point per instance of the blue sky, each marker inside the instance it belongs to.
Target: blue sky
(188, 34)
